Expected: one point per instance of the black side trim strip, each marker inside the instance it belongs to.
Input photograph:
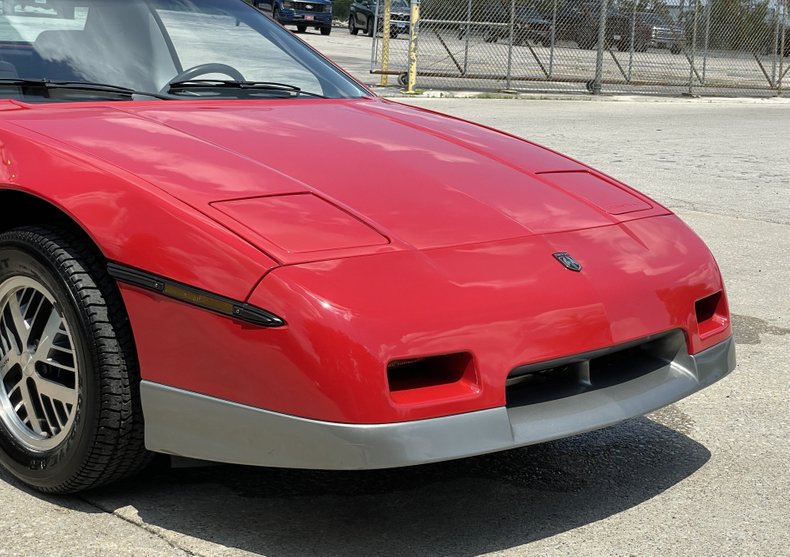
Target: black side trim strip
(194, 296)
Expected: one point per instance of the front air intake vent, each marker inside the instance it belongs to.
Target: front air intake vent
(432, 378)
(556, 379)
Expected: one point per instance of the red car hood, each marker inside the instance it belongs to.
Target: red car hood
(317, 179)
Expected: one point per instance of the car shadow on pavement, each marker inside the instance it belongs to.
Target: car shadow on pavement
(465, 507)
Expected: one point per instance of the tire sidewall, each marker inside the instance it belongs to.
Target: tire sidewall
(53, 468)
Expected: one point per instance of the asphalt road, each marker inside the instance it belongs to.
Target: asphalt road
(705, 476)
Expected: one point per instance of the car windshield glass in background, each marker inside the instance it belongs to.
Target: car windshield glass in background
(654, 19)
(48, 48)
(396, 5)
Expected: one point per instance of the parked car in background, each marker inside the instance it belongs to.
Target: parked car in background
(578, 21)
(528, 25)
(772, 42)
(65, 10)
(362, 17)
(301, 13)
(649, 30)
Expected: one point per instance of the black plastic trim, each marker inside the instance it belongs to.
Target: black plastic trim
(203, 299)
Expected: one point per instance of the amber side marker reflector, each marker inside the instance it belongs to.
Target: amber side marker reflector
(233, 309)
(712, 314)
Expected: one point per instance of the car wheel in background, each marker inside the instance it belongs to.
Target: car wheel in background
(326, 30)
(70, 415)
(675, 49)
(301, 28)
(588, 41)
(352, 26)
(369, 28)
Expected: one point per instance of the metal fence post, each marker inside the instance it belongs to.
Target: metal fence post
(467, 35)
(414, 29)
(782, 46)
(596, 86)
(553, 38)
(693, 48)
(707, 40)
(633, 41)
(385, 42)
(510, 43)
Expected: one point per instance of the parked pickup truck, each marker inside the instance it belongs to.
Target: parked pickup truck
(649, 30)
(301, 13)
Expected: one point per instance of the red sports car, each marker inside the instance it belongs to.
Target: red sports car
(216, 244)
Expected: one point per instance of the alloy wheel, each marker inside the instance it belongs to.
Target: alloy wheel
(39, 374)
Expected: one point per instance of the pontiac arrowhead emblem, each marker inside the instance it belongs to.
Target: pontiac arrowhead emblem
(567, 261)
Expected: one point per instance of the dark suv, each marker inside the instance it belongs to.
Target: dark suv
(302, 13)
(578, 21)
(363, 13)
(649, 31)
(528, 25)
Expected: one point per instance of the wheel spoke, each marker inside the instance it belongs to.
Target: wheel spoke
(51, 329)
(7, 339)
(56, 391)
(22, 330)
(30, 408)
(7, 363)
(58, 365)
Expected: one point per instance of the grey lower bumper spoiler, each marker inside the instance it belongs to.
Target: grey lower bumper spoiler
(192, 425)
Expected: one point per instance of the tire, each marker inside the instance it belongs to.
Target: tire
(352, 25)
(369, 28)
(8, 7)
(82, 389)
(326, 30)
(588, 42)
(301, 28)
(675, 49)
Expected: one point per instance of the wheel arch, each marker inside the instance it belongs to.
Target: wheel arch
(20, 208)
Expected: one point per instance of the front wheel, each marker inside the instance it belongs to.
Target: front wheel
(352, 25)
(326, 30)
(301, 28)
(369, 28)
(70, 415)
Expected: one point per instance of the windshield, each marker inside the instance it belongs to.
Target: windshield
(654, 19)
(396, 5)
(147, 46)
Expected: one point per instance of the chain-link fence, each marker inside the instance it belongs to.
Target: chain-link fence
(672, 46)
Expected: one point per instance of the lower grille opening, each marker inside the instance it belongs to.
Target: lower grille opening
(556, 379)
